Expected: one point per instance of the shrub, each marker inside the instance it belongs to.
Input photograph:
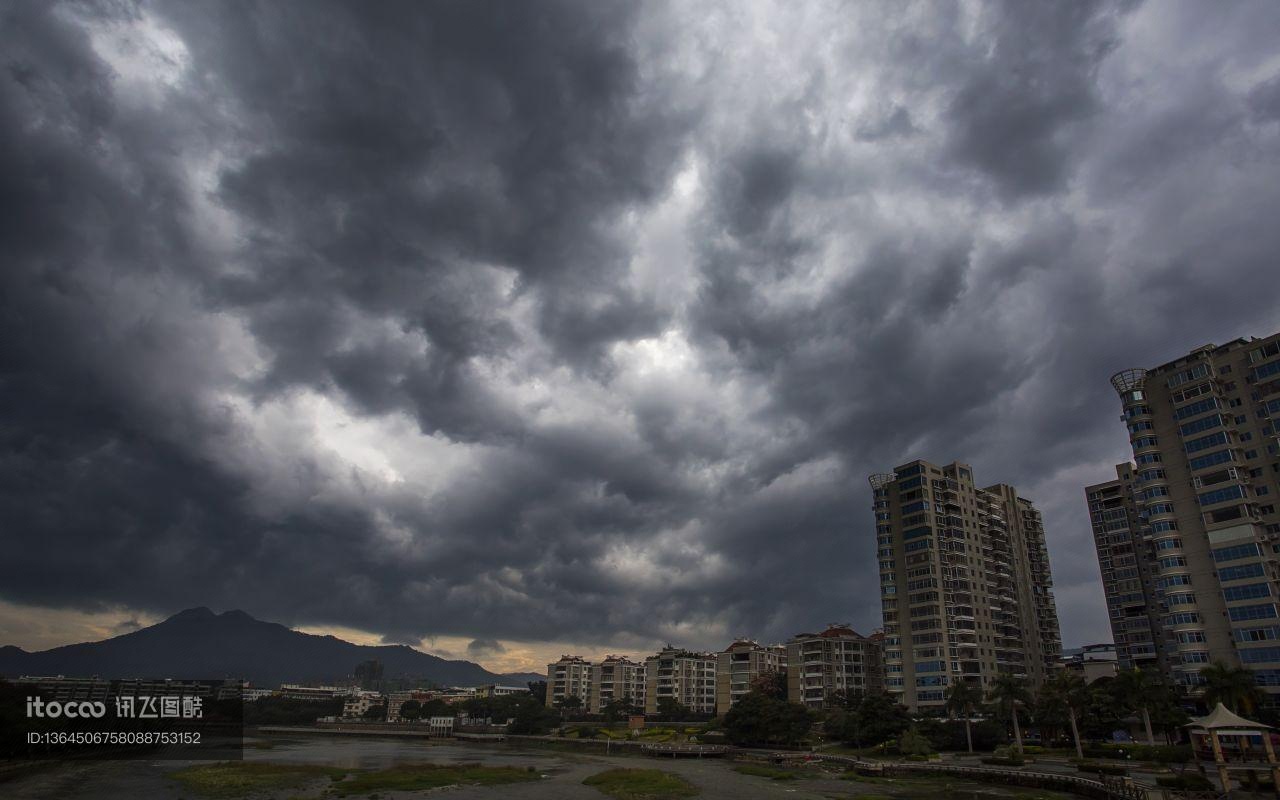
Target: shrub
(1160, 753)
(1188, 781)
(1102, 768)
(914, 743)
(1003, 761)
(1032, 749)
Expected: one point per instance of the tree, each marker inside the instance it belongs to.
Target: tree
(615, 709)
(1139, 690)
(1066, 695)
(410, 709)
(962, 698)
(1102, 715)
(531, 717)
(1008, 692)
(759, 719)
(435, 708)
(538, 690)
(671, 709)
(569, 705)
(375, 713)
(914, 743)
(1232, 686)
(772, 683)
(876, 719)
(1167, 713)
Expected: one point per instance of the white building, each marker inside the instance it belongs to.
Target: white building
(357, 705)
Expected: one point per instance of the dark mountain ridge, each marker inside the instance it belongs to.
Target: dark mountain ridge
(199, 644)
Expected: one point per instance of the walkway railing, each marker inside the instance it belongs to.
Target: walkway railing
(1105, 789)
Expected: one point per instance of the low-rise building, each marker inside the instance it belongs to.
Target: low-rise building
(397, 699)
(361, 702)
(294, 691)
(440, 726)
(836, 660)
(1093, 661)
(740, 664)
(493, 690)
(686, 677)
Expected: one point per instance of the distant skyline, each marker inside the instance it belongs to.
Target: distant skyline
(515, 329)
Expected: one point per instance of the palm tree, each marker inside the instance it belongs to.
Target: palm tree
(1231, 686)
(962, 698)
(1067, 693)
(1007, 692)
(1138, 690)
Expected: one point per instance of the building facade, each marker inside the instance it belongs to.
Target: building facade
(1203, 431)
(836, 660)
(616, 678)
(1092, 662)
(568, 677)
(357, 704)
(1127, 562)
(397, 699)
(740, 664)
(688, 678)
(966, 590)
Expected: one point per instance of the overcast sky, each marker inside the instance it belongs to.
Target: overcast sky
(523, 327)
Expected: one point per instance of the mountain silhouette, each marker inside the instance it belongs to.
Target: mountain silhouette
(199, 644)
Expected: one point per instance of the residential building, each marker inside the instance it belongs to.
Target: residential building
(1127, 560)
(294, 691)
(836, 660)
(740, 664)
(493, 690)
(397, 699)
(1093, 661)
(362, 701)
(1203, 430)
(966, 591)
(615, 678)
(688, 678)
(453, 695)
(568, 677)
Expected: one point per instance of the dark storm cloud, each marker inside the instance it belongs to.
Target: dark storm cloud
(1016, 113)
(478, 648)
(569, 321)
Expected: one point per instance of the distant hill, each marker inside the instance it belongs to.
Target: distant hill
(198, 643)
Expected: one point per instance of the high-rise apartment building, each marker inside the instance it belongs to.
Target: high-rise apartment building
(836, 660)
(1127, 561)
(1206, 480)
(615, 678)
(740, 664)
(686, 677)
(965, 583)
(568, 677)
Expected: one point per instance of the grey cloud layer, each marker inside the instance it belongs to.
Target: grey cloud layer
(586, 321)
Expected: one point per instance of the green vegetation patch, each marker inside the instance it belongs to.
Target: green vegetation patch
(762, 771)
(641, 784)
(416, 777)
(240, 778)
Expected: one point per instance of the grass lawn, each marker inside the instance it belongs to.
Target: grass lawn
(239, 778)
(762, 771)
(641, 784)
(416, 777)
